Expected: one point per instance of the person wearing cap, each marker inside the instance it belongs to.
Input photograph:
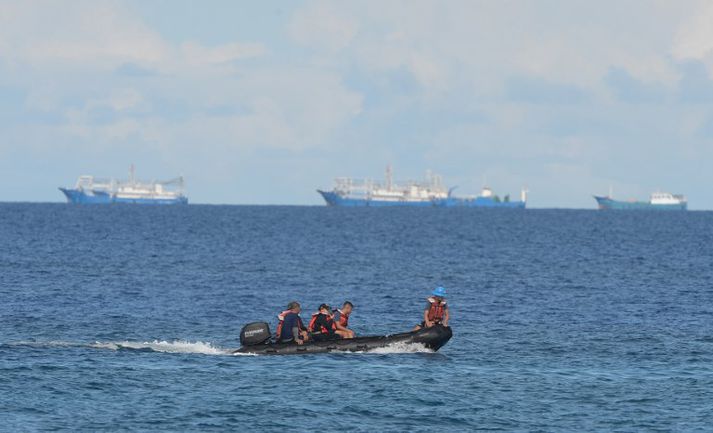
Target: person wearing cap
(341, 320)
(290, 328)
(436, 312)
(322, 325)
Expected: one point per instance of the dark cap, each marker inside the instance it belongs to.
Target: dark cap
(325, 307)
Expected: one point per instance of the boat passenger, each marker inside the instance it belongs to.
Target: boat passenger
(290, 328)
(436, 312)
(322, 325)
(341, 319)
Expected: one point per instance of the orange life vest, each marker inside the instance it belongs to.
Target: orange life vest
(436, 310)
(322, 329)
(281, 318)
(343, 319)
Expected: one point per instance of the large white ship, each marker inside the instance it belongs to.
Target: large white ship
(429, 192)
(93, 190)
(368, 192)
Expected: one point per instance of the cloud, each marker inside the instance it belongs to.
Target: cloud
(310, 25)
(629, 89)
(476, 43)
(695, 85)
(197, 54)
(95, 42)
(540, 91)
(133, 70)
(694, 38)
(101, 33)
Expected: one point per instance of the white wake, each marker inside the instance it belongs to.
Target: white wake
(176, 346)
(203, 348)
(401, 347)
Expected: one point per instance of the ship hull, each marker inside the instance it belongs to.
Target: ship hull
(334, 199)
(76, 196)
(606, 203)
(81, 197)
(483, 202)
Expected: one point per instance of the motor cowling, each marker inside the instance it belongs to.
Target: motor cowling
(255, 333)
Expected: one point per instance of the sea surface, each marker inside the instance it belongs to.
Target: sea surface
(124, 318)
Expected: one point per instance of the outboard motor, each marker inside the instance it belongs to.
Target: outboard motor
(255, 333)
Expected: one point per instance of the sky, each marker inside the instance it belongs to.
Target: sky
(264, 102)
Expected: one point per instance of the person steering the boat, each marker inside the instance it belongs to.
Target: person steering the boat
(290, 328)
(436, 312)
(341, 319)
(322, 325)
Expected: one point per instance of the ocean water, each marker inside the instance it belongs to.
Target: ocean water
(124, 318)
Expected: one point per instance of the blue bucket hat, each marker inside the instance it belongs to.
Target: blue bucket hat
(439, 291)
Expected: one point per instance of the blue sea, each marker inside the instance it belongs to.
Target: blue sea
(125, 318)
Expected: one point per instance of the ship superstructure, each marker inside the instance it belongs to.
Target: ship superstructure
(94, 190)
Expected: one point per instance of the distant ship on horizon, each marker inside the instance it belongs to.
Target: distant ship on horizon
(92, 190)
(489, 199)
(657, 201)
(430, 192)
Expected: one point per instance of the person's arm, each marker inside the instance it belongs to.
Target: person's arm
(296, 334)
(425, 319)
(446, 317)
(302, 329)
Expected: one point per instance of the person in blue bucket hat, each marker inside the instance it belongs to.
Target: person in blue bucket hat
(436, 312)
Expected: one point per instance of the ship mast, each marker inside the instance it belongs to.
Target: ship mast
(389, 177)
(132, 174)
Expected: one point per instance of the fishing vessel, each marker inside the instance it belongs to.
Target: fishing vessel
(430, 192)
(657, 201)
(368, 192)
(488, 199)
(93, 190)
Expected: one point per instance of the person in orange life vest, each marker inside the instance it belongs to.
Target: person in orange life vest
(322, 325)
(436, 312)
(341, 319)
(290, 328)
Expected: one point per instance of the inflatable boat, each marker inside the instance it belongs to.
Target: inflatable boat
(255, 339)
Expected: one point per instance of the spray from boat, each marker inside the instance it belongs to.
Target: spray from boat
(191, 347)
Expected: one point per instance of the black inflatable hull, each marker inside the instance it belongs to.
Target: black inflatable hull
(432, 338)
